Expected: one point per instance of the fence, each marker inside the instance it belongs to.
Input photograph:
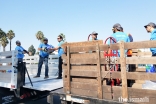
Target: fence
(32, 65)
(85, 74)
(8, 75)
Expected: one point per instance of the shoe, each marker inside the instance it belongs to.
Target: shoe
(59, 78)
(46, 77)
(36, 76)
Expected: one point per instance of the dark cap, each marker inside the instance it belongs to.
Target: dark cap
(45, 39)
(150, 24)
(94, 33)
(18, 42)
(119, 28)
(116, 25)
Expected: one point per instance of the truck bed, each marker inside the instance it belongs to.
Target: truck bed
(42, 84)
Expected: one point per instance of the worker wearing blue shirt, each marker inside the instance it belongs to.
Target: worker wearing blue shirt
(151, 28)
(60, 52)
(94, 35)
(118, 35)
(21, 51)
(43, 57)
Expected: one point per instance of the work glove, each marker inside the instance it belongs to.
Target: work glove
(45, 49)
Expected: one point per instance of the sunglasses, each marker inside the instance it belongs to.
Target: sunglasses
(58, 38)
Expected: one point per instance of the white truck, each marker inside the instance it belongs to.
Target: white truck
(17, 82)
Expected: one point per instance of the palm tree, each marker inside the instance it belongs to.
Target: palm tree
(2, 33)
(4, 42)
(10, 36)
(64, 37)
(40, 36)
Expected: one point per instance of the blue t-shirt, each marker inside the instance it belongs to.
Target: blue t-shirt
(60, 50)
(20, 50)
(153, 37)
(119, 36)
(43, 53)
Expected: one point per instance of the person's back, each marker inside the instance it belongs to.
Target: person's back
(20, 51)
(120, 36)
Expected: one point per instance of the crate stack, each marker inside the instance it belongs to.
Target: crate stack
(140, 68)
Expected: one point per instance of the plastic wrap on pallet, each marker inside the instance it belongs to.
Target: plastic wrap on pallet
(149, 85)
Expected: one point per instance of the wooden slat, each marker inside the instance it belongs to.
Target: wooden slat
(83, 43)
(84, 55)
(133, 91)
(83, 80)
(82, 49)
(131, 75)
(123, 70)
(100, 94)
(81, 92)
(81, 61)
(137, 85)
(93, 48)
(111, 46)
(144, 53)
(141, 44)
(84, 67)
(84, 86)
(140, 60)
(140, 81)
(84, 73)
(107, 96)
(68, 70)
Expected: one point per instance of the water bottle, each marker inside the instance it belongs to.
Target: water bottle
(150, 68)
(147, 68)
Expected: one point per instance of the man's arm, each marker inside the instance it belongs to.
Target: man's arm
(56, 48)
(40, 47)
(59, 46)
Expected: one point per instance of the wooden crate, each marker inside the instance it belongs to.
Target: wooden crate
(84, 70)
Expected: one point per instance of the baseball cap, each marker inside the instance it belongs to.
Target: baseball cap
(116, 25)
(119, 28)
(45, 39)
(150, 24)
(94, 33)
(18, 42)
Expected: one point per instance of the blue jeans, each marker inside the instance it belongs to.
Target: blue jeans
(40, 63)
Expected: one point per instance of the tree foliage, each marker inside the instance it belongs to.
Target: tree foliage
(40, 36)
(4, 42)
(64, 37)
(2, 33)
(10, 36)
(32, 50)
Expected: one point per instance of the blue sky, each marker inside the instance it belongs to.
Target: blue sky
(75, 18)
